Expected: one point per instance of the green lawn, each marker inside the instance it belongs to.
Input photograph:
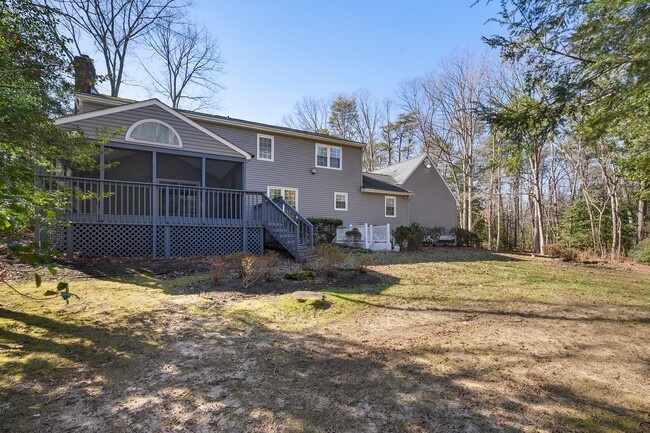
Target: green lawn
(446, 340)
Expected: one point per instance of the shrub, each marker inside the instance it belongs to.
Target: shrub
(219, 268)
(569, 254)
(410, 238)
(269, 262)
(466, 237)
(235, 261)
(330, 256)
(325, 229)
(401, 235)
(554, 251)
(431, 236)
(353, 235)
(563, 252)
(250, 271)
(641, 253)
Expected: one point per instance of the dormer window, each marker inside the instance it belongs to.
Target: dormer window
(152, 131)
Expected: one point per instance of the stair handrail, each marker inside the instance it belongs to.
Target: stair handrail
(293, 247)
(309, 232)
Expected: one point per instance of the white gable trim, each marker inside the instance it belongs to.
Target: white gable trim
(147, 103)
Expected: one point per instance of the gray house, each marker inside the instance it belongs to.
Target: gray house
(182, 183)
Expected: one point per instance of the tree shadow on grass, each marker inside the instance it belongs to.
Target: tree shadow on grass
(566, 312)
(444, 255)
(207, 374)
(38, 350)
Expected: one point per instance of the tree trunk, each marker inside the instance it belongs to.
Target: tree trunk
(499, 210)
(640, 219)
(539, 237)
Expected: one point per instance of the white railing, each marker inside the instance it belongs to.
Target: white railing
(375, 238)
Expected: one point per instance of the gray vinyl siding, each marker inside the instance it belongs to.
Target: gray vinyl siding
(374, 210)
(433, 204)
(192, 139)
(294, 159)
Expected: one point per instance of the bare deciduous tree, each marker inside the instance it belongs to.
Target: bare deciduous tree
(191, 64)
(371, 119)
(113, 26)
(309, 114)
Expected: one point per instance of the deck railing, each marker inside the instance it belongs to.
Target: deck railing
(121, 202)
(110, 201)
(305, 228)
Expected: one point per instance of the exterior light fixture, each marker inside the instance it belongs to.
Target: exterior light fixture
(314, 170)
(427, 163)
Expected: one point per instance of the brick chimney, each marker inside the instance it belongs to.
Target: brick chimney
(84, 74)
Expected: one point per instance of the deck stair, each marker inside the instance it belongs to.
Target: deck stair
(288, 228)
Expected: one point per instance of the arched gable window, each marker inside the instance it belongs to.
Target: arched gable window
(152, 131)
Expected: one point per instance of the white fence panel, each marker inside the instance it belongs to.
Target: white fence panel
(375, 238)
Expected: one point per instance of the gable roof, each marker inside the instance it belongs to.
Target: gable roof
(401, 171)
(382, 183)
(228, 121)
(150, 102)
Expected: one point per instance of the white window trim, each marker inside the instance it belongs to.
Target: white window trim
(386, 198)
(282, 189)
(153, 143)
(328, 156)
(272, 147)
(346, 201)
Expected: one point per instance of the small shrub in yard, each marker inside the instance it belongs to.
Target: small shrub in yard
(325, 229)
(219, 268)
(641, 253)
(410, 238)
(353, 235)
(236, 260)
(559, 251)
(466, 237)
(269, 262)
(432, 236)
(569, 254)
(330, 256)
(250, 271)
(554, 251)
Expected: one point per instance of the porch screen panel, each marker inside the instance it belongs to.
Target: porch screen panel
(224, 206)
(128, 165)
(180, 195)
(223, 174)
(127, 198)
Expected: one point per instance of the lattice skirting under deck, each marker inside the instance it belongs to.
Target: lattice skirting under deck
(129, 240)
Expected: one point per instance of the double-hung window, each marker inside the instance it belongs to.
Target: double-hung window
(265, 147)
(340, 201)
(329, 156)
(390, 206)
(290, 195)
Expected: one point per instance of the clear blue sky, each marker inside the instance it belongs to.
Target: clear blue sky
(278, 51)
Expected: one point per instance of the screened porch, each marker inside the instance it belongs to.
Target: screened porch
(145, 187)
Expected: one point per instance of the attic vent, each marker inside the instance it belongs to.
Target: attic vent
(152, 131)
